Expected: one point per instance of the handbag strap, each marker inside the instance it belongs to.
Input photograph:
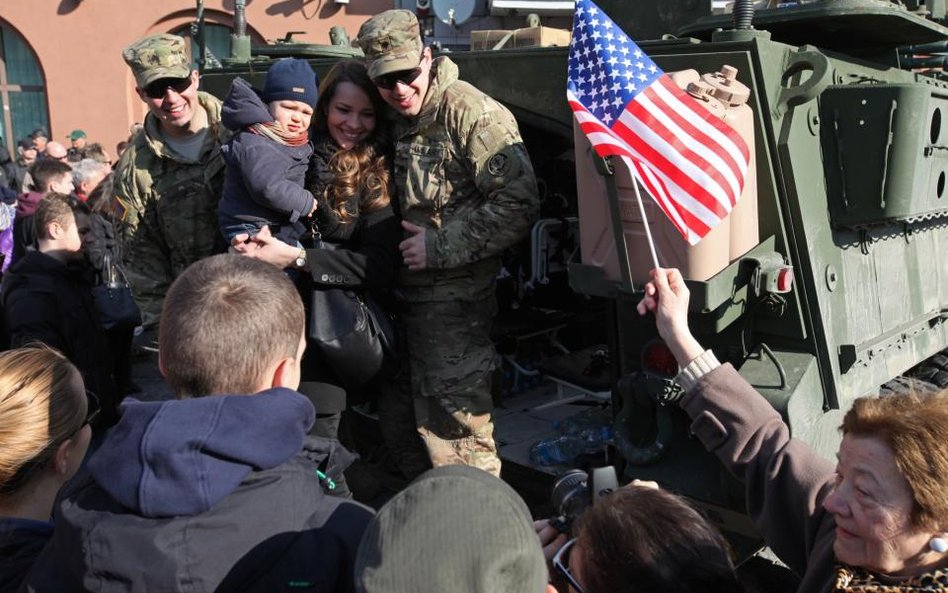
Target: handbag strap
(114, 270)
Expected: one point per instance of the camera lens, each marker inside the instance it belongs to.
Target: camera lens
(570, 496)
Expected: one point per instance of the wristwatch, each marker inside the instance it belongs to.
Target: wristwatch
(300, 261)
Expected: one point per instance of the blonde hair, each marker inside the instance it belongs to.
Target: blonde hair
(39, 409)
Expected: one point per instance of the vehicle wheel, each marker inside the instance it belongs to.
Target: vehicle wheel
(934, 370)
(905, 384)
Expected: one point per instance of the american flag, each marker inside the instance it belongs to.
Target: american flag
(691, 162)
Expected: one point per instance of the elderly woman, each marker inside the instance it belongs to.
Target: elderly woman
(45, 414)
(875, 522)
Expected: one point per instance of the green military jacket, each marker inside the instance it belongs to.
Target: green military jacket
(167, 207)
(463, 173)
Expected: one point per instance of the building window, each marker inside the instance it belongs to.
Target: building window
(22, 89)
(216, 40)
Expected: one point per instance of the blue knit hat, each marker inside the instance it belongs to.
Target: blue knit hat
(291, 79)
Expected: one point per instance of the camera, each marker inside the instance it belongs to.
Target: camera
(575, 491)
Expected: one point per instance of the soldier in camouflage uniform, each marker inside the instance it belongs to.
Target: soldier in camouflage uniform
(467, 191)
(168, 181)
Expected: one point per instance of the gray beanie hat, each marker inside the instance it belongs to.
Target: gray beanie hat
(456, 529)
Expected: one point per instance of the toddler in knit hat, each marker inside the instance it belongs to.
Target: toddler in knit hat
(268, 155)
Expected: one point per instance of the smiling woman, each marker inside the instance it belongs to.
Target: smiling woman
(875, 523)
(888, 496)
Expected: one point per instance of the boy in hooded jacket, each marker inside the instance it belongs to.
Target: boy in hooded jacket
(268, 155)
(219, 489)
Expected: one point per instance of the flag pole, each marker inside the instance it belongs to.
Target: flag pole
(648, 231)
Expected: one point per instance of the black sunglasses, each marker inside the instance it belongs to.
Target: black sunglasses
(93, 407)
(388, 81)
(157, 89)
(561, 564)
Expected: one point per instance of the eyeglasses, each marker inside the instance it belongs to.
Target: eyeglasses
(93, 407)
(157, 89)
(561, 564)
(388, 81)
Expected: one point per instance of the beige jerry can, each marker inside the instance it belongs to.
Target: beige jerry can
(725, 97)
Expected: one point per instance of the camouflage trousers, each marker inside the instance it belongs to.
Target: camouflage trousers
(445, 387)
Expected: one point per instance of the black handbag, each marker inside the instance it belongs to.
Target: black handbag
(354, 335)
(113, 297)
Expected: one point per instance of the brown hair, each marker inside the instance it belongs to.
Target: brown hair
(39, 408)
(362, 170)
(56, 207)
(914, 426)
(45, 171)
(224, 321)
(640, 539)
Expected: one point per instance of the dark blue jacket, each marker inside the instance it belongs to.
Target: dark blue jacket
(218, 493)
(20, 542)
(263, 183)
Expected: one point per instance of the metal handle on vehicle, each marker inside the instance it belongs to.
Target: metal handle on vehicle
(806, 59)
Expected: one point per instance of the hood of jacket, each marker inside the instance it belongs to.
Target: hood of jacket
(180, 457)
(243, 107)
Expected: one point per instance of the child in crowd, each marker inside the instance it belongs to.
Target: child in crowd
(219, 489)
(267, 157)
(47, 296)
(46, 176)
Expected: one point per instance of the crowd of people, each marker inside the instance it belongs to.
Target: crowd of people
(390, 178)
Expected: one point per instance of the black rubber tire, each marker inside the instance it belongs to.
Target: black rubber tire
(905, 384)
(934, 370)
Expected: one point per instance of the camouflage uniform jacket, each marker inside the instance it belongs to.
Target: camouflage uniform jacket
(167, 207)
(463, 173)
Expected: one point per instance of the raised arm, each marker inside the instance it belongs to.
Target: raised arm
(786, 481)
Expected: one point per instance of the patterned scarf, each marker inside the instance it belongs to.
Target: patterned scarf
(850, 579)
(274, 131)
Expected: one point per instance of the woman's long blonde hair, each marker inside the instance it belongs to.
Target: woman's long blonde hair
(363, 169)
(39, 409)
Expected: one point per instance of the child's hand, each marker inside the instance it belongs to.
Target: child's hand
(315, 206)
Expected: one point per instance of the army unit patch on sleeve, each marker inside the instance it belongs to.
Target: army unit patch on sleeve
(121, 210)
(498, 164)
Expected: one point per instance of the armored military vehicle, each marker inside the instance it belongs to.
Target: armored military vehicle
(833, 281)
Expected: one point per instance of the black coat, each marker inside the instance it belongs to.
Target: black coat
(47, 301)
(366, 255)
(8, 170)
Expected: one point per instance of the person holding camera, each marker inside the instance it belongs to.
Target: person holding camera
(638, 539)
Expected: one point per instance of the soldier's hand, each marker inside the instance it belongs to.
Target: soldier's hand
(413, 249)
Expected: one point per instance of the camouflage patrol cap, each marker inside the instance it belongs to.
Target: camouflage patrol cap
(391, 41)
(158, 56)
